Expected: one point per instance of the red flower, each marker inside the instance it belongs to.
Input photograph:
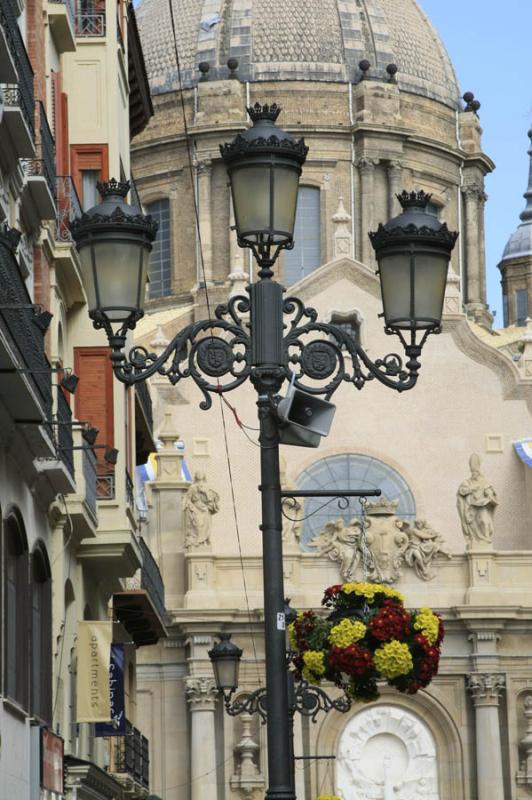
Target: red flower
(390, 622)
(353, 660)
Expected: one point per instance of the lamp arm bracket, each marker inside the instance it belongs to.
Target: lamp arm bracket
(254, 703)
(215, 353)
(318, 350)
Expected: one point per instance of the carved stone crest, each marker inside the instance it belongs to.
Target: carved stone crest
(390, 543)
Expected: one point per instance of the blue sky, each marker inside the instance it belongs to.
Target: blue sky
(490, 44)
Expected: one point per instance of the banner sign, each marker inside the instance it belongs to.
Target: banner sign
(117, 725)
(52, 747)
(94, 647)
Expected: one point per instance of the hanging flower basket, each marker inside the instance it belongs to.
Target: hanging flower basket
(369, 636)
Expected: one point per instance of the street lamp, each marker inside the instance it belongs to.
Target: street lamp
(283, 341)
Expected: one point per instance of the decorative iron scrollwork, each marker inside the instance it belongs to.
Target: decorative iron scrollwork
(216, 354)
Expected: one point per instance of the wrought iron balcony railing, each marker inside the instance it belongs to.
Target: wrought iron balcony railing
(90, 24)
(105, 486)
(64, 432)
(68, 207)
(47, 150)
(24, 97)
(26, 338)
(130, 755)
(151, 580)
(69, 5)
(89, 475)
(130, 491)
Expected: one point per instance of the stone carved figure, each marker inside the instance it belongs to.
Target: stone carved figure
(341, 543)
(390, 542)
(200, 504)
(476, 503)
(424, 543)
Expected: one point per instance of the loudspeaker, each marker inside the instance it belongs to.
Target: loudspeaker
(304, 418)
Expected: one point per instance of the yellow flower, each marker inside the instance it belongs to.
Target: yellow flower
(428, 623)
(313, 660)
(393, 659)
(292, 635)
(328, 797)
(369, 590)
(346, 632)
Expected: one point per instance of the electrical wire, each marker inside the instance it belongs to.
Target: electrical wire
(208, 304)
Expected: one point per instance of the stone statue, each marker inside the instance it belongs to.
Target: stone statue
(390, 542)
(476, 502)
(200, 504)
(342, 544)
(423, 544)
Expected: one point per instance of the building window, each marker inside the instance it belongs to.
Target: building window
(521, 306)
(306, 255)
(41, 635)
(16, 602)
(89, 164)
(160, 261)
(348, 322)
(350, 471)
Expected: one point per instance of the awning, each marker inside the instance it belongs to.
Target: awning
(523, 448)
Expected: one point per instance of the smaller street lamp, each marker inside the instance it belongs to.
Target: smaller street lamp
(225, 657)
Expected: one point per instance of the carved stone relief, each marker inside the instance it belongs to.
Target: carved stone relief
(390, 543)
(200, 504)
(476, 503)
(387, 753)
(292, 510)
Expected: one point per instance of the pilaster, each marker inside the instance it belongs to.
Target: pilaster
(201, 696)
(486, 689)
(204, 173)
(366, 169)
(395, 173)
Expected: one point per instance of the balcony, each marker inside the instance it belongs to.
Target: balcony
(18, 122)
(68, 207)
(90, 25)
(28, 394)
(65, 440)
(19, 104)
(62, 19)
(141, 608)
(40, 172)
(130, 760)
(82, 504)
(8, 70)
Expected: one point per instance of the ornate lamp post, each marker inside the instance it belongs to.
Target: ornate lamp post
(283, 342)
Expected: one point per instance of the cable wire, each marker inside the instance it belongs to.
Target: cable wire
(208, 304)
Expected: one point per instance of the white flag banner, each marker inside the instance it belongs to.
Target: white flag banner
(94, 654)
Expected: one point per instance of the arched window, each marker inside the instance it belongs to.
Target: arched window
(306, 255)
(41, 635)
(16, 605)
(160, 261)
(350, 471)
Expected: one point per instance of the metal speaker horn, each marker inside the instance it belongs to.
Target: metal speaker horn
(304, 418)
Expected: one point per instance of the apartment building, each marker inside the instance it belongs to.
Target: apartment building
(73, 92)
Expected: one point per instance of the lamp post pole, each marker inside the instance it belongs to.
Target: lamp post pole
(284, 342)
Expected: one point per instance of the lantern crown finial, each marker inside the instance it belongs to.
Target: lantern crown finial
(260, 112)
(414, 199)
(113, 187)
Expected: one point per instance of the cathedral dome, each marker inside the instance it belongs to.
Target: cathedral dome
(312, 40)
(520, 242)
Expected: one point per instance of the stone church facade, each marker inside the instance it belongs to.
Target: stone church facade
(371, 88)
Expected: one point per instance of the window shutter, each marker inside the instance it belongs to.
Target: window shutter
(94, 396)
